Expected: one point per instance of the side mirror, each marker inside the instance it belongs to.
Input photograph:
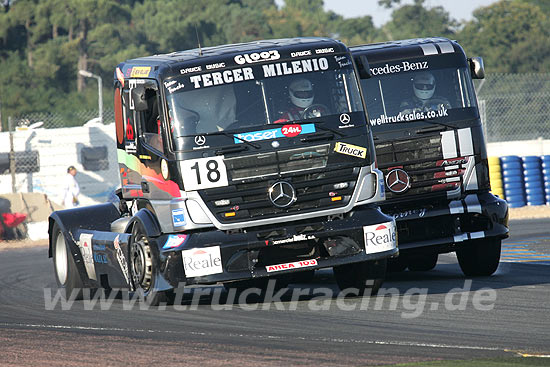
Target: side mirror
(363, 67)
(138, 96)
(477, 68)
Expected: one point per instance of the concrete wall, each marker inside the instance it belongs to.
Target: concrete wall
(58, 149)
(520, 148)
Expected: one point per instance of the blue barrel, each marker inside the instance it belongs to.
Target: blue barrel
(545, 164)
(533, 179)
(531, 158)
(513, 185)
(509, 158)
(512, 170)
(511, 165)
(507, 179)
(536, 200)
(532, 165)
(516, 204)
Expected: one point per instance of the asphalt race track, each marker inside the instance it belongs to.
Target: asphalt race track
(419, 316)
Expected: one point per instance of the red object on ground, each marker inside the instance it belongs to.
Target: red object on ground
(13, 219)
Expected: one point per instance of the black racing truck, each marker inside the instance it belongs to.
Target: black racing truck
(237, 163)
(430, 146)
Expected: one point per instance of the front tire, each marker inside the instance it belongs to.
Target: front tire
(66, 272)
(479, 257)
(366, 276)
(143, 262)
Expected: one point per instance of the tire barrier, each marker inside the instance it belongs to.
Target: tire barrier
(495, 177)
(512, 172)
(533, 177)
(521, 180)
(545, 164)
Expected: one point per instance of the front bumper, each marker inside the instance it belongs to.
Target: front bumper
(441, 228)
(252, 253)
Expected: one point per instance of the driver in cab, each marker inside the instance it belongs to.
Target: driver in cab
(301, 96)
(424, 98)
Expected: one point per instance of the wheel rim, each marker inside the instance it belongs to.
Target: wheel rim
(142, 264)
(61, 260)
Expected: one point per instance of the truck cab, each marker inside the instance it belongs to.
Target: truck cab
(242, 162)
(423, 110)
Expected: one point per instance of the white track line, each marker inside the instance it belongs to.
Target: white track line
(330, 340)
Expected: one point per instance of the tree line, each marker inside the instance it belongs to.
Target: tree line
(43, 43)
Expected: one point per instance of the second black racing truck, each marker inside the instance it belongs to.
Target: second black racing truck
(430, 146)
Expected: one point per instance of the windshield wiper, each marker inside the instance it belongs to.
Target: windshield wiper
(440, 126)
(317, 123)
(231, 149)
(432, 122)
(326, 135)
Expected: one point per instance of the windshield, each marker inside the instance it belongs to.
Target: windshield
(258, 95)
(418, 89)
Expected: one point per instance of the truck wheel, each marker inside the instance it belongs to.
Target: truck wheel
(66, 273)
(423, 262)
(479, 257)
(142, 267)
(366, 276)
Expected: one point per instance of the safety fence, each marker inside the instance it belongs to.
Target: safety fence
(515, 106)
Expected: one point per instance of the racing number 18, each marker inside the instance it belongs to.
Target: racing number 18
(204, 173)
(213, 175)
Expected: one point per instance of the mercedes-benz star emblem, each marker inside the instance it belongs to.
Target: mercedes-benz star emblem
(282, 194)
(200, 140)
(398, 181)
(344, 118)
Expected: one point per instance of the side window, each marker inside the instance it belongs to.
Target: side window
(150, 121)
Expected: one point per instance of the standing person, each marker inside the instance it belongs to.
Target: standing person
(71, 189)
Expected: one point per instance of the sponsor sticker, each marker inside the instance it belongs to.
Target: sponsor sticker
(85, 245)
(295, 238)
(120, 76)
(380, 237)
(300, 53)
(257, 57)
(175, 240)
(140, 71)
(287, 131)
(192, 69)
(121, 259)
(327, 50)
(202, 261)
(352, 150)
(290, 266)
(178, 217)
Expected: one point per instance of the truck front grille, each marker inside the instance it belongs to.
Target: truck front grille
(317, 186)
(431, 176)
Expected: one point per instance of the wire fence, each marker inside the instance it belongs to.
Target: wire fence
(53, 120)
(515, 106)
